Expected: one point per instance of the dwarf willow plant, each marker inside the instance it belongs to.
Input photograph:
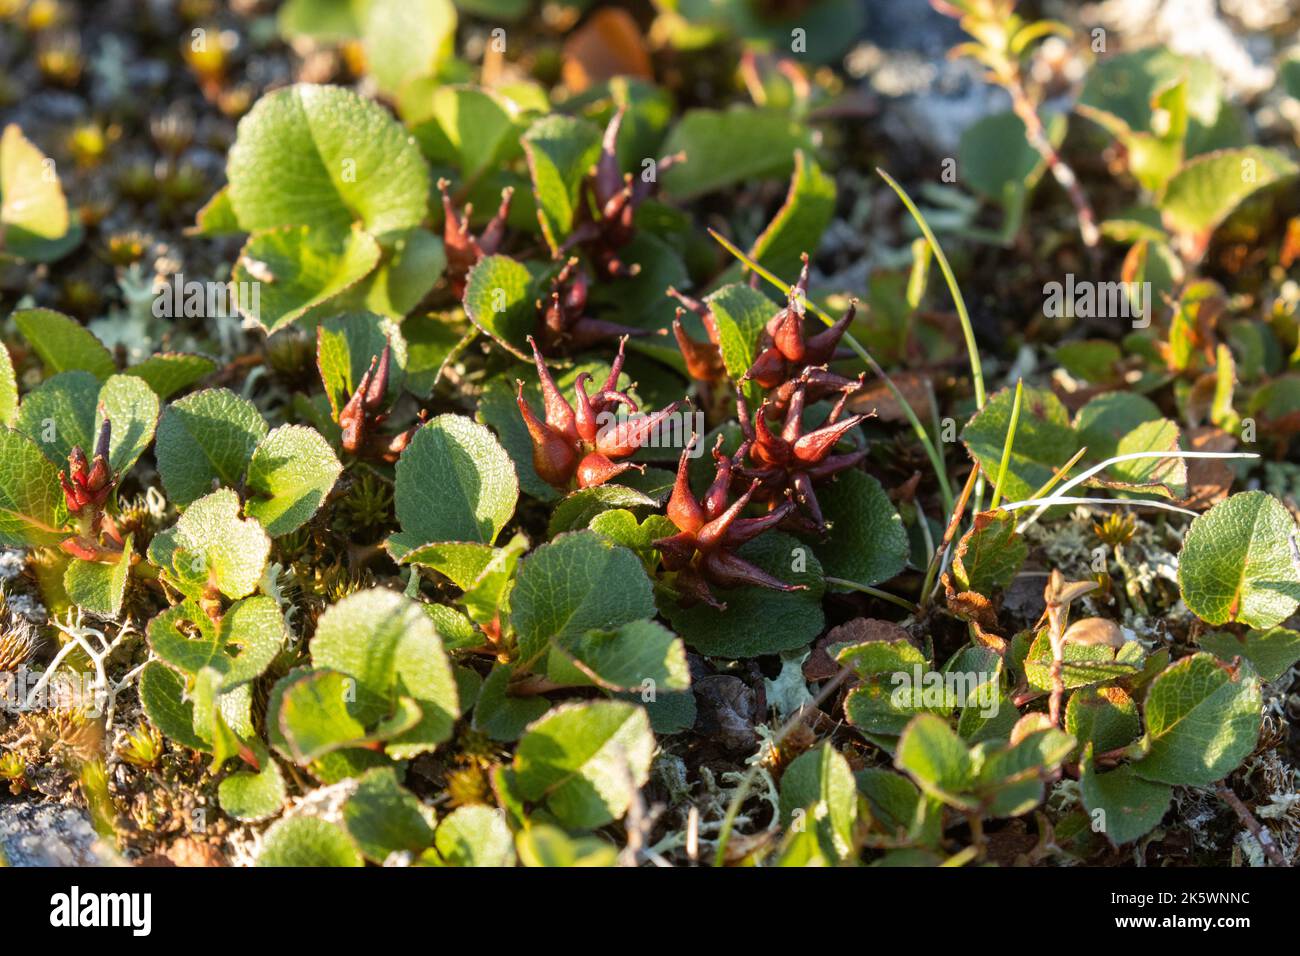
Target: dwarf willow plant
(456, 545)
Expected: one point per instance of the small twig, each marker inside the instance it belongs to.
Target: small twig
(954, 522)
(1061, 171)
(1260, 832)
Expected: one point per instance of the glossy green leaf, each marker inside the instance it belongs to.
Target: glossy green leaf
(1202, 721)
(1236, 563)
(63, 343)
(290, 270)
(206, 438)
(586, 761)
(454, 483)
(289, 477)
(324, 157)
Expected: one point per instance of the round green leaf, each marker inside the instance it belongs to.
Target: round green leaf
(1130, 806)
(59, 414)
(741, 314)
(1202, 721)
(1044, 440)
(205, 437)
(1104, 420)
(742, 144)
(384, 818)
(97, 586)
(34, 220)
(387, 643)
(820, 783)
(867, 542)
(625, 658)
(1236, 563)
(586, 761)
(132, 408)
(64, 412)
(1104, 717)
(475, 835)
(405, 39)
(501, 715)
(1208, 188)
(323, 156)
(213, 543)
(289, 477)
(454, 483)
(251, 796)
(989, 555)
(290, 270)
(162, 693)
(308, 841)
(577, 583)
(501, 299)
(32, 509)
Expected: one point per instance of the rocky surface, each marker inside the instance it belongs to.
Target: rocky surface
(46, 834)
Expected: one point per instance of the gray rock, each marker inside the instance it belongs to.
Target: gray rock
(37, 833)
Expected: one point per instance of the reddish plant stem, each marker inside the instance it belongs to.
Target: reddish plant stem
(954, 522)
(1260, 832)
(1062, 172)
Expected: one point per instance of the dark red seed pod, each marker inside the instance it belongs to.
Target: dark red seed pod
(701, 552)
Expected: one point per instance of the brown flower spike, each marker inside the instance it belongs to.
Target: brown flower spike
(564, 322)
(790, 462)
(702, 552)
(464, 250)
(87, 486)
(581, 443)
(786, 350)
(366, 412)
(617, 196)
(703, 359)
